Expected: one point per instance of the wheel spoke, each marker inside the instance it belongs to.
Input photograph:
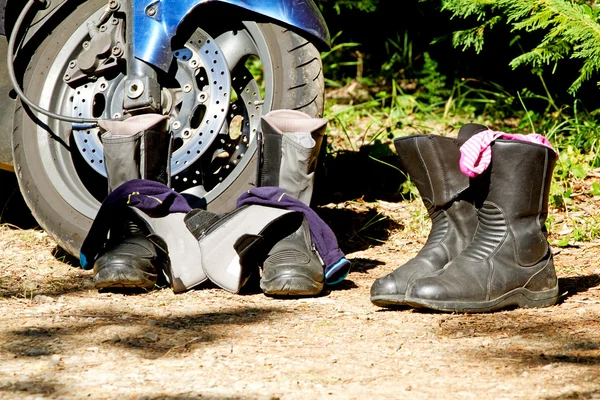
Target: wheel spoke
(236, 46)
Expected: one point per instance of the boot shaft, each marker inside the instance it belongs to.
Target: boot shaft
(137, 148)
(519, 176)
(291, 145)
(432, 164)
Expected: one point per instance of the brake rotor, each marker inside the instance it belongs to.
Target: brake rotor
(200, 111)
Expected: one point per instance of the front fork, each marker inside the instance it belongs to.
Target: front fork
(142, 91)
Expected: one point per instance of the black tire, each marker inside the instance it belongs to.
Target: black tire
(62, 197)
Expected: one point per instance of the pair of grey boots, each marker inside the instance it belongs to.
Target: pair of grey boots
(487, 248)
(135, 253)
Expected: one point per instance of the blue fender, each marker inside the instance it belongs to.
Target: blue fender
(155, 22)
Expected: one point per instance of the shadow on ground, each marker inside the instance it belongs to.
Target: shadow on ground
(572, 285)
(46, 387)
(363, 265)
(351, 175)
(576, 395)
(358, 230)
(13, 209)
(52, 286)
(533, 338)
(65, 257)
(149, 336)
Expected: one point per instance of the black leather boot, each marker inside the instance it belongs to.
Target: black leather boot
(509, 261)
(432, 164)
(134, 254)
(292, 267)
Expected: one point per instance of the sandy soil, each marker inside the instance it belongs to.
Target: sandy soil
(61, 339)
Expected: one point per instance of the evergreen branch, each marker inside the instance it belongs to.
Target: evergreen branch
(589, 68)
(571, 30)
(473, 37)
(467, 8)
(541, 55)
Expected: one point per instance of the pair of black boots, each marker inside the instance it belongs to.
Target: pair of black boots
(487, 248)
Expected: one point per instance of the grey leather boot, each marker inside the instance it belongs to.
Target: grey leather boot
(133, 149)
(291, 145)
(137, 148)
(432, 164)
(509, 261)
(293, 267)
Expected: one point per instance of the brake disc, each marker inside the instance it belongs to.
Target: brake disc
(200, 112)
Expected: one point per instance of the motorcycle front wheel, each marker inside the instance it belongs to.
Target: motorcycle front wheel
(224, 77)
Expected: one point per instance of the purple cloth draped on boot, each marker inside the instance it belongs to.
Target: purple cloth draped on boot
(154, 198)
(337, 266)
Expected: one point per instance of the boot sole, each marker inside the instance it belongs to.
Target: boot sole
(519, 297)
(123, 276)
(389, 300)
(291, 285)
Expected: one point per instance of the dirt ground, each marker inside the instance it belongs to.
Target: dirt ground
(61, 339)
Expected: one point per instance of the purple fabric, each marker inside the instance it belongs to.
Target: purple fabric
(154, 198)
(149, 196)
(322, 235)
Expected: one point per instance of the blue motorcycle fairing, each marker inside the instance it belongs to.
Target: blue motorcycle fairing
(155, 22)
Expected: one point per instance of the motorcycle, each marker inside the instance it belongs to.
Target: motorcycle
(214, 67)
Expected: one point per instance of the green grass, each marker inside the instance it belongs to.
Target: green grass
(423, 101)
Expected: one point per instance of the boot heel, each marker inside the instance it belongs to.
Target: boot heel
(540, 299)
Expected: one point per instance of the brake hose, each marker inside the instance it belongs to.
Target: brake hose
(13, 80)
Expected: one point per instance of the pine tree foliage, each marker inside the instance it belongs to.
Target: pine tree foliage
(474, 37)
(466, 8)
(360, 5)
(572, 30)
